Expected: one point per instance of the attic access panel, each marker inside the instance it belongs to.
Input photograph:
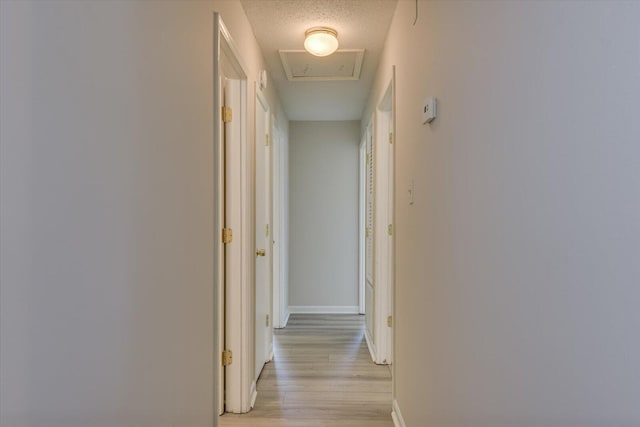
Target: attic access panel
(300, 65)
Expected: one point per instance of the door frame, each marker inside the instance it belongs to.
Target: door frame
(379, 304)
(369, 286)
(231, 285)
(383, 224)
(392, 258)
(276, 312)
(261, 99)
(390, 103)
(362, 222)
(279, 188)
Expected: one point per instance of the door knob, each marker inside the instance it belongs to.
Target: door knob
(261, 252)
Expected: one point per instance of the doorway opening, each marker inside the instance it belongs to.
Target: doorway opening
(263, 267)
(377, 231)
(233, 333)
(251, 189)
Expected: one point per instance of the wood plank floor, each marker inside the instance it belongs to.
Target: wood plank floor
(322, 375)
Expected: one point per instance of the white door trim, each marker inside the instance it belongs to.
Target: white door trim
(280, 309)
(262, 107)
(380, 236)
(277, 225)
(368, 230)
(384, 141)
(362, 223)
(392, 213)
(237, 331)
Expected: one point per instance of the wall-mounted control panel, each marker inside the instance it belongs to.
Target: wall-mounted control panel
(429, 110)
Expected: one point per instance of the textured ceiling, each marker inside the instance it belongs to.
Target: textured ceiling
(280, 24)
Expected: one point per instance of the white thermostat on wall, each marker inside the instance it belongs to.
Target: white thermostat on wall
(429, 110)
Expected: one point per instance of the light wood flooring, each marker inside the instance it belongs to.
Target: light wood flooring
(322, 375)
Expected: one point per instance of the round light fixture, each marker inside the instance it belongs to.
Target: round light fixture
(321, 41)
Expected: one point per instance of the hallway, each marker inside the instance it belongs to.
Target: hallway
(178, 176)
(321, 375)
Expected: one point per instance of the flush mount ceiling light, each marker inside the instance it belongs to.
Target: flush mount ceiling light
(321, 41)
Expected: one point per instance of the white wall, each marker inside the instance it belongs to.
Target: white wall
(323, 181)
(106, 305)
(518, 265)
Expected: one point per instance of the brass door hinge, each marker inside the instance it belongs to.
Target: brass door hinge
(227, 114)
(266, 139)
(227, 358)
(266, 230)
(366, 232)
(267, 323)
(390, 138)
(390, 229)
(389, 321)
(227, 235)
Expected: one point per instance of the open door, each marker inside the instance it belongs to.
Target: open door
(388, 113)
(263, 239)
(223, 208)
(384, 227)
(379, 246)
(362, 224)
(278, 219)
(368, 239)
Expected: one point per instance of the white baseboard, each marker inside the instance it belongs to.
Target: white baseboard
(372, 348)
(283, 320)
(396, 415)
(324, 309)
(254, 395)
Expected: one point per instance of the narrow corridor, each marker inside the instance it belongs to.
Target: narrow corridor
(321, 375)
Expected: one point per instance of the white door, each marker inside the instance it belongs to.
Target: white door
(263, 239)
(362, 223)
(384, 226)
(233, 249)
(221, 188)
(370, 306)
(276, 232)
(391, 214)
(391, 233)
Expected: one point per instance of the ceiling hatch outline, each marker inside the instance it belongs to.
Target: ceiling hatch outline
(301, 66)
